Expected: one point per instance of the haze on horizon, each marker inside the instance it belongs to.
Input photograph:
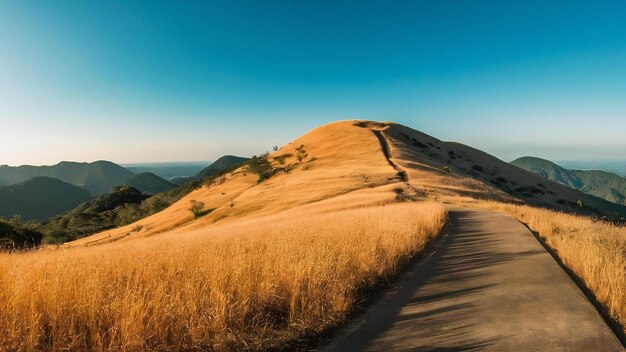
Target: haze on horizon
(169, 81)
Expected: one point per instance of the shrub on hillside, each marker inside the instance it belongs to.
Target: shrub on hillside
(261, 166)
(196, 208)
(15, 236)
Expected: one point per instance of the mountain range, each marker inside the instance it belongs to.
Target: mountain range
(40, 192)
(97, 177)
(41, 198)
(601, 184)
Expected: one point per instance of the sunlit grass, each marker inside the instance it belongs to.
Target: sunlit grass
(238, 287)
(594, 250)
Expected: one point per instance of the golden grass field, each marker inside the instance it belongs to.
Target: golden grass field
(594, 250)
(249, 286)
(278, 262)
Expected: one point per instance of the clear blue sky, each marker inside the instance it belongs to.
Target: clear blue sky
(133, 81)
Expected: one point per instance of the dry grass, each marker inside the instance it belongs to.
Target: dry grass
(237, 287)
(347, 159)
(594, 250)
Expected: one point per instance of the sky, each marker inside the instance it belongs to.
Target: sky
(150, 81)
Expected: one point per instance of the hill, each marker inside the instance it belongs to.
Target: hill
(337, 163)
(601, 184)
(351, 163)
(105, 211)
(149, 183)
(97, 177)
(40, 198)
(454, 168)
(122, 206)
(221, 164)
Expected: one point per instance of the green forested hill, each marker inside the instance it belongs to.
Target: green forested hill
(40, 198)
(601, 184)
(150, 183)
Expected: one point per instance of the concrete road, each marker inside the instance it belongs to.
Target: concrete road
(490, 285)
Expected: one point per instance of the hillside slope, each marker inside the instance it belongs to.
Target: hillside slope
(107, 210)
(448, 168)
(336, 166)
(97, 177)
(601, 184)
(40, 198)
(350, 164)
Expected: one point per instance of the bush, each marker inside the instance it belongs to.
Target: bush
(281, 158)
(301, 153)
(15, 236)
(196, 208)
(261, 166)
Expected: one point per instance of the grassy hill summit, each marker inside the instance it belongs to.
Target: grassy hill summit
(97, 177)
(598, 183)
(40, 198)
